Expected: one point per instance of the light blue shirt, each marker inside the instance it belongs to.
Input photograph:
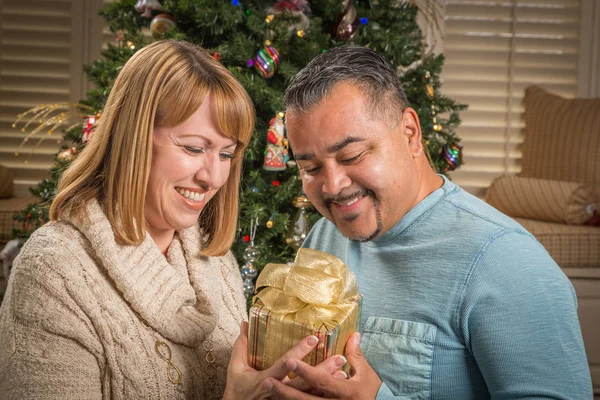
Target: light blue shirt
(461, 302)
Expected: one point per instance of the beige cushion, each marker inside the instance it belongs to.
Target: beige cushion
(571, 246)
(6, 183)
(542, 199)
(562, 138)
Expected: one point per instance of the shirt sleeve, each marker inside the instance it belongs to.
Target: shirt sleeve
(518, 315)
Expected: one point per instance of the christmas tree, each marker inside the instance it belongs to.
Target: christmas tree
(264, 43)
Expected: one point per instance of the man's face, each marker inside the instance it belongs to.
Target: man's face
(359, 172)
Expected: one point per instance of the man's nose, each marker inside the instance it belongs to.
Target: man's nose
(335, 179)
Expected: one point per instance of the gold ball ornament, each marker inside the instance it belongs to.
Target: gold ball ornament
(162, 24)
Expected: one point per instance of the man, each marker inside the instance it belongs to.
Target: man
(460, 302)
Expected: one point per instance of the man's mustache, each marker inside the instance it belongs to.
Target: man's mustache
(345, 197)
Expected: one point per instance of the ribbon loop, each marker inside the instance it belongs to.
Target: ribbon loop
(315, 279)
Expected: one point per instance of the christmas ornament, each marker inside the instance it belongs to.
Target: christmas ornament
(48, 118)
(270, 223)
(292, 9)
(300, 226)
(250, 255)
(87, 129)
(348, 23)
(67, 155)
(266, 61)
(120, 35)
(452, 155)
(146, 6)
(162, 24)
(429, 89)
(276, 153)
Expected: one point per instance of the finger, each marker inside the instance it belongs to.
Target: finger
(239, 354)
(340, 375)
(305, 346)
(329, 365)
(317, 379)
(277, 390)
(354, 353)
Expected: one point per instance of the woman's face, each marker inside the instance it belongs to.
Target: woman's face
(190, 162)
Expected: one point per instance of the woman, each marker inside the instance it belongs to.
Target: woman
(131, 291)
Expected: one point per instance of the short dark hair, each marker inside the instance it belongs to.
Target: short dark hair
(352, 64)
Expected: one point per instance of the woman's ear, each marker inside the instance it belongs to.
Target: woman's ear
(411, 129)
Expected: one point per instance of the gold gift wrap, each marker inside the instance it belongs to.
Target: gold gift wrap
(316, 295)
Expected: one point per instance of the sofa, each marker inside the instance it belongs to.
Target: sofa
(556, 197)
(9, 205)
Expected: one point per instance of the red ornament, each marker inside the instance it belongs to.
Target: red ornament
(275, 183)
(87, 128)
(247, 238)
(216, 56)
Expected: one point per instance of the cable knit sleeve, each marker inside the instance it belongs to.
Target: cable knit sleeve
(49, 347)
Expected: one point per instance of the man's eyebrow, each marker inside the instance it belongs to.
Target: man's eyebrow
(332, 149)
(338, 146)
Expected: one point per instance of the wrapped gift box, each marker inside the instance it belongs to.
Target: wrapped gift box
(316, 295)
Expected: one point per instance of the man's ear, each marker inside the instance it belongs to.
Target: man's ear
(411, 129)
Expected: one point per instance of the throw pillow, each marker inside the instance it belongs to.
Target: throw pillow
(562, 138)
(542, 199)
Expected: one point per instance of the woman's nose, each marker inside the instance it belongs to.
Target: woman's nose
(211, 171)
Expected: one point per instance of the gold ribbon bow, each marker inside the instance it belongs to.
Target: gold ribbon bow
(317, 294)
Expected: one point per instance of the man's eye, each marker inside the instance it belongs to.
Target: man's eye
(310, 170)
(351, 159)
(195, 150)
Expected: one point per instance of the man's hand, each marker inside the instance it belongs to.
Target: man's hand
(363, 385)
(244, 382)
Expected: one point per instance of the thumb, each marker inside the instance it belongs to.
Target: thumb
(239, 354)
(355, 356)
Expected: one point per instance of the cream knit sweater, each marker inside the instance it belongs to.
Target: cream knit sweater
(82, 316)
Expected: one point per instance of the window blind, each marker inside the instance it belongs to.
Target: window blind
(35, 58)
(494, 50)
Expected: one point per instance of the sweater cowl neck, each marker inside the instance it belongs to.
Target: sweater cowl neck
(177, 305)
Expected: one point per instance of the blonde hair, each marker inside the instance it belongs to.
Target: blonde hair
(163, 84)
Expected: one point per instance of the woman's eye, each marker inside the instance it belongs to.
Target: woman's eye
(226, 155)
(195, 150)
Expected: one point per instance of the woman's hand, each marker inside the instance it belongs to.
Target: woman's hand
(364, 385)
(244, 382)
